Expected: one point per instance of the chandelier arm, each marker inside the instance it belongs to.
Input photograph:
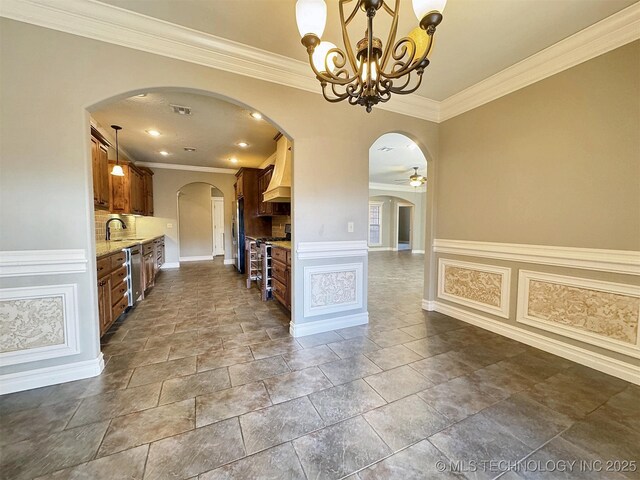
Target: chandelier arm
(328, 76)
(409, 65)
(336, 99)
(400, 91)
(345, 33)
(392, 33)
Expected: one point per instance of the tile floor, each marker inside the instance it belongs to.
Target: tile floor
(203, 381)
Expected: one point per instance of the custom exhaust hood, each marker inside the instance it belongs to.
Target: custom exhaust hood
(279, 189)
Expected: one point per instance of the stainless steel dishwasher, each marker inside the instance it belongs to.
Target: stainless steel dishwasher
(134, 271)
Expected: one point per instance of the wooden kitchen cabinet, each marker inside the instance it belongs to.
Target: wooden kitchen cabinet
(148, 265)
(147, 185)
(113, 289)
(281, 275)
(247, 188)
(159, 254)
(100, 170)
(133, 193)
(269, 209)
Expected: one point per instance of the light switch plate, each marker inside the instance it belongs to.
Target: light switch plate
(350, 227)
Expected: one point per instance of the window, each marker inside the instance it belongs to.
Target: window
(375, 224)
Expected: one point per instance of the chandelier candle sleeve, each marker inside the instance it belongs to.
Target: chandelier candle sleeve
(372, 71)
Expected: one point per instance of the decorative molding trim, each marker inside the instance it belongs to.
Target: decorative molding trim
(170, 265)
(615, 31)
(190, 168)
(616, 261)
(397, 188)
(379, 249)
(505, 286)
(229, 261)
(22, 263)
(418, 251)
(358, 302)
(348, 248)
(99, 21)
(196, 258)
(321, 326)
(597, 361)
(598, 340)
(428, 305)
(43, 377)
(70, 323)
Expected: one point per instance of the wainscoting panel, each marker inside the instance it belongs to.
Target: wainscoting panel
(333, 288)
(600, 313)
(38, 323)
(475, 285)
(22, 263)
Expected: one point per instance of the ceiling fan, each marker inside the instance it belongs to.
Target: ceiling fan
(414, 180)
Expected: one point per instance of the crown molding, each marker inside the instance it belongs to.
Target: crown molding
(111, 24)
(612, 32)
(396, 188)
(190, 168)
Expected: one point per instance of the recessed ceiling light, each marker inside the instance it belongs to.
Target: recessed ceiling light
(256, 115)
(164, 153)
(242, 144)
(189, 149)
(142, 95)
(233, 160)
(153, 133)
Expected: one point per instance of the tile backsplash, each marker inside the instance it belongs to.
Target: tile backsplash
(117, 231)
(277, 225)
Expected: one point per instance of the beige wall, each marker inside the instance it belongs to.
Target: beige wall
(49, 134)
(195, 228)
(556, 163)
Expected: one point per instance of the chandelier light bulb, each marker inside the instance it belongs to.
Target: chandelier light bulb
(422, 7)
(311, 17)
(320, 59)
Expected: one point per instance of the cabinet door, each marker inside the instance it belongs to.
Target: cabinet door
(265, 208)
(95, 170)
(149, 270)
(288, 286)
(120, 192)
(104, 303)
(240, 186)
(148, 194)
(103, 158)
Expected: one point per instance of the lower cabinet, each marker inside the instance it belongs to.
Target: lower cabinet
(281, 275)
(113, 297)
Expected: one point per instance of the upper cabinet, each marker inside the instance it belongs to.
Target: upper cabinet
(100, 169)
(132, 193)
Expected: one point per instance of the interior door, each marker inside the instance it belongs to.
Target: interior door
(217, 205)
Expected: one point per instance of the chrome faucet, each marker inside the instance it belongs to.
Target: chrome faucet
(124, 227)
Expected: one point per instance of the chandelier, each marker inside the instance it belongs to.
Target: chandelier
(372, 72)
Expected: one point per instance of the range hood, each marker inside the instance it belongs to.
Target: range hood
(279, 189)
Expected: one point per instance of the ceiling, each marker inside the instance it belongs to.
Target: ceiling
(213, 128)
(476, 39)
(392, 157)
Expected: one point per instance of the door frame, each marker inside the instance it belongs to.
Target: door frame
(219, 200)
(411, 214)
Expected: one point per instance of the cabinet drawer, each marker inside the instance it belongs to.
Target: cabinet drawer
(279, 254)
(103, 266)
(147, 248)
(278, 270)
(117, 260)
(279, 291)
(119, 308)
(289, 258)
(118, 292)
(118, 276)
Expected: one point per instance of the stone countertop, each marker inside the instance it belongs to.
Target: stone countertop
(104, 248)
(286, 245)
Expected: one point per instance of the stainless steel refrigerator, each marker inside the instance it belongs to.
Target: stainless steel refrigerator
(238, 235)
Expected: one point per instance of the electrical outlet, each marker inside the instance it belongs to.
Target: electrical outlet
(350, 227)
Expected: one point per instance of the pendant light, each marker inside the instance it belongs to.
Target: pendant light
(117, 169)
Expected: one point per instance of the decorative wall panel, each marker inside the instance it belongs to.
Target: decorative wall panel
(333, 288)
(37, 323)
(601, 313)
(483, 287)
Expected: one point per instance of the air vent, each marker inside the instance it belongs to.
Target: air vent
(189, 149)
(181, 110)
(385, 149)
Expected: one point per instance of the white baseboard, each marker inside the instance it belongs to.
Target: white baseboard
(597, 361)
(170, 265)
(229, 261)
(394, 249)
(196, 258)
(417, 251)
(379, 249)
(321, 326)
(42, 377)
(428, 305)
